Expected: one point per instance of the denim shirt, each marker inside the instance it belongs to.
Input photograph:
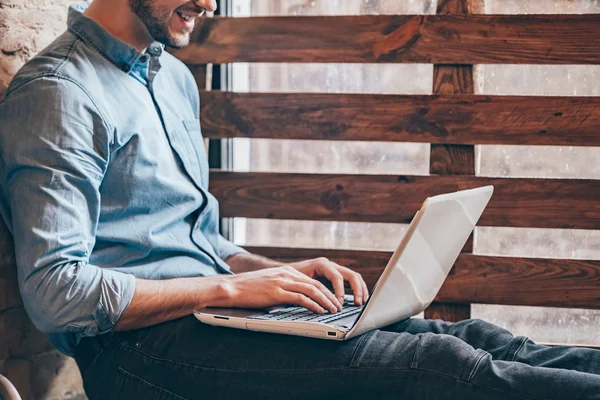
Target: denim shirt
(103, 178)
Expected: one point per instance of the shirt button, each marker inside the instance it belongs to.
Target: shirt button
(155, 50)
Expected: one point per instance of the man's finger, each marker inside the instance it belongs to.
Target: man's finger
(337, 281)
(365, 289)
(314, 293)
(355, 281)
(303, 301)
(304, 278)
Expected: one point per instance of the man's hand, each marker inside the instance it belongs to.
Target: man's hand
(260, 283)
(336, 274)
(281, 285)
(293, 284)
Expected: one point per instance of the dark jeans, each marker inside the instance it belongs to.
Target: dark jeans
(414, 359)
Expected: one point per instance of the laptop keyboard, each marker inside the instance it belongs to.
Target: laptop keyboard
(301, 314)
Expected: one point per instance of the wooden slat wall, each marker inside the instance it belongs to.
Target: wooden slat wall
(481, 279)
(541, 203)
(452, 120)
(202, 74)
(439, 119)
(438, 39)
(453, 159)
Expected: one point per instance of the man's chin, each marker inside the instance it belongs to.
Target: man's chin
(179, 40)
(175, 40)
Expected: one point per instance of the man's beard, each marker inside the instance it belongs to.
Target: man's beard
(156, 19)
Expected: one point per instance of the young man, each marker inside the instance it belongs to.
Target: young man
(103, 183)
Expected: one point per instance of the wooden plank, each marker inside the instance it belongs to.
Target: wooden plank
(202, 74)
(542, 203)
(460, 6)
(448, 311)
(438, 39)
(481, 279)
(452, 159)
(437, 119)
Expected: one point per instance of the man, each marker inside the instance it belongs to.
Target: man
(103, 183)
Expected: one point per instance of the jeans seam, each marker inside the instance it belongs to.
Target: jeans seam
(195, 366)
(354, 369)
(96, 357)
(119, 384)
(140, 340)
(156, 388)
(357, 349)
(500, 391)
(514, 356)
(521, 396)
(476, 364)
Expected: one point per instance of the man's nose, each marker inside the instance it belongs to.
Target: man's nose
(208, 5)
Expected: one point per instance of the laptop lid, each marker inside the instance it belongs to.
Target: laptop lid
(424, 257)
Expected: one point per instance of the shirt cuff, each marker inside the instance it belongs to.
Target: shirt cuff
(117, 291)
(228, 249)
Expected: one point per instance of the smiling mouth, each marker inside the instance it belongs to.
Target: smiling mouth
(186, 17)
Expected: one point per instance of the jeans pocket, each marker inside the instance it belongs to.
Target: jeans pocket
(446, 355)
(130, 386)
(133, 338)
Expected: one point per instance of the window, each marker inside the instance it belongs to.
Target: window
(542, 324)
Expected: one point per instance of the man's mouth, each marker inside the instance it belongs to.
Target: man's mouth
(186, 17)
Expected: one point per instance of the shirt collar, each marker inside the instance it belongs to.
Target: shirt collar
(121, 54)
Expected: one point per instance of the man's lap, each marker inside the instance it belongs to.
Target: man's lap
(187, 359)
(197, 356)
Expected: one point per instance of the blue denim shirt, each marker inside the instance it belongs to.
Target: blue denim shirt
(103, 178)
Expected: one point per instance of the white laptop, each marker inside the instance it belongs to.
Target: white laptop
(411, 280)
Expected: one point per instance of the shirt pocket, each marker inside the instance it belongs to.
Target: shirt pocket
(192, 127)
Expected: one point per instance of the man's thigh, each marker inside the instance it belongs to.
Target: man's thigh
(185, 359)
(188, 359)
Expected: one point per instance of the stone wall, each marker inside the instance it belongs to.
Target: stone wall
(26, 356)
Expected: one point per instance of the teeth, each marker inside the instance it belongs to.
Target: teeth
(185, 17)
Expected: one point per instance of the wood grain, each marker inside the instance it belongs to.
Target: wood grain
(481, 279)
(543, 203)
(460, 6)
(438, 39)
(200, 72)
(453, 159)
(437, 119)
(449, 312)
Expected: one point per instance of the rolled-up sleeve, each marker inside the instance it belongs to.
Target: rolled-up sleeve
(54, 150)
(228, 249)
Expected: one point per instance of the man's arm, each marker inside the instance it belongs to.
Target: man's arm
(260, 283)
(156, 301)
(51, 169)
(315, 268)
(244, 262)
(54, 151)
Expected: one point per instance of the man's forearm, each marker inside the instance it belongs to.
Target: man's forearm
(242, 262)
(157, 301)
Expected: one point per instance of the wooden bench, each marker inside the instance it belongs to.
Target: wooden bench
(452, 120)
